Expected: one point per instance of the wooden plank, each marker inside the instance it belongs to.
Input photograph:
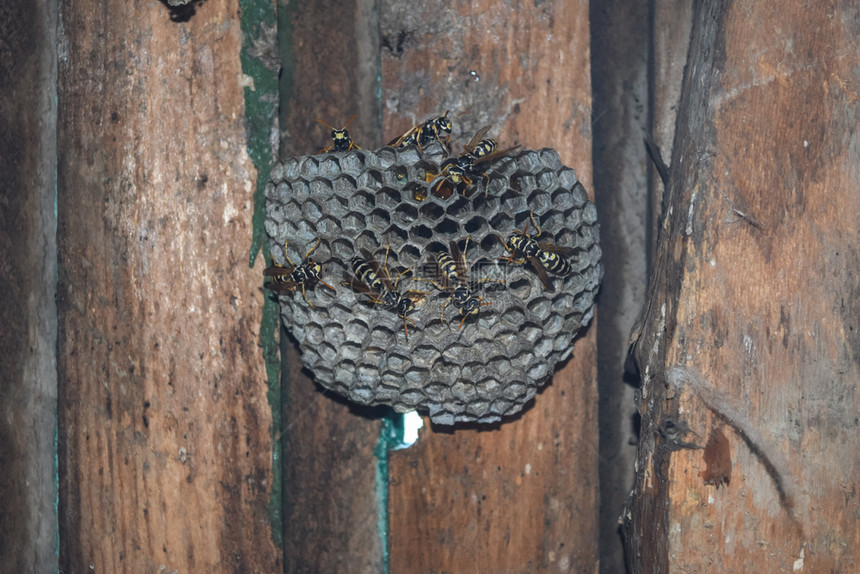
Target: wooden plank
(756, 292)
(331, 509)
(331, 506)
(520, 496)
(165, 446)
(28, 392)
(622, 100)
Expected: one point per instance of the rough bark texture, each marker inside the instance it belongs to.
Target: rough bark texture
(522, 496)
(756, 289)
(670, 42)
(164, 442)
(28, 376)
(331, 509)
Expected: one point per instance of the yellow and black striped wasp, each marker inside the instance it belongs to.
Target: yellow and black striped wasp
(372, 279)
(541, 256)
(431, 129)
(340, 138)
(292, 276)
(459, 173)
(452, 271)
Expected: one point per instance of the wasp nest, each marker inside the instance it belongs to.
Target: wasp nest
(478, 370)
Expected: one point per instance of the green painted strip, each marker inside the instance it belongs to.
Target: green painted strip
(383, 446)
(391, 437)
(261, 105)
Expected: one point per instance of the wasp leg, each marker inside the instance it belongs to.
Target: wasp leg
(461, 322)
(483, 303)
(405, 328)
(435, 284)
(327, 285)
(286, 256)
(486, 184)
(442, 318)
(385, 262)
(466, 246)
(510, 259)
(539, 232)
(401, 274)
(306, 297)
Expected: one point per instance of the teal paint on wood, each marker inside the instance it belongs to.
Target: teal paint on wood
(260, 64)
(381, 453)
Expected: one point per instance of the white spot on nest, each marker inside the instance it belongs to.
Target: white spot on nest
(528, 468)
(412, 422)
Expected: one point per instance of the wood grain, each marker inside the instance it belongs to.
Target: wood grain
(28, 376)
(520, 496)
(756, 289)
(331, 509)
(620, 33)
(164, 444)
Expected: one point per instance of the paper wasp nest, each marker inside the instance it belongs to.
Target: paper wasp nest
(366, 199)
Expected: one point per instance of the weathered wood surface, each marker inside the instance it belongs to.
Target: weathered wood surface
(331, 509)
(670, 38)
(620, 33)
(164, 443)
(522, 496)
(756, 288)
(28, 377)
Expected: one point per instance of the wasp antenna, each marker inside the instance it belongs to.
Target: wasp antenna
(326, 125)
(312, 249)
(349, 122)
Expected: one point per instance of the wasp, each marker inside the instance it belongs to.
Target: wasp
(541, 256)
(340, 138)
(289, 277)
(432, 129)
(459, 173)
(372, 279)
(451, 269)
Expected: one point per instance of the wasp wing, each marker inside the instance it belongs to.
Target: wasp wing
(377, 267)
(399, 140)
(360, 287)
(278, 271)
(494, 155)
(459, 261)
(541, 273)
(476, 139)
(282, 286)
(558, 249)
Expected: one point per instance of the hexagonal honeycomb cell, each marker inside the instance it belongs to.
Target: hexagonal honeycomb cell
(493, 364)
